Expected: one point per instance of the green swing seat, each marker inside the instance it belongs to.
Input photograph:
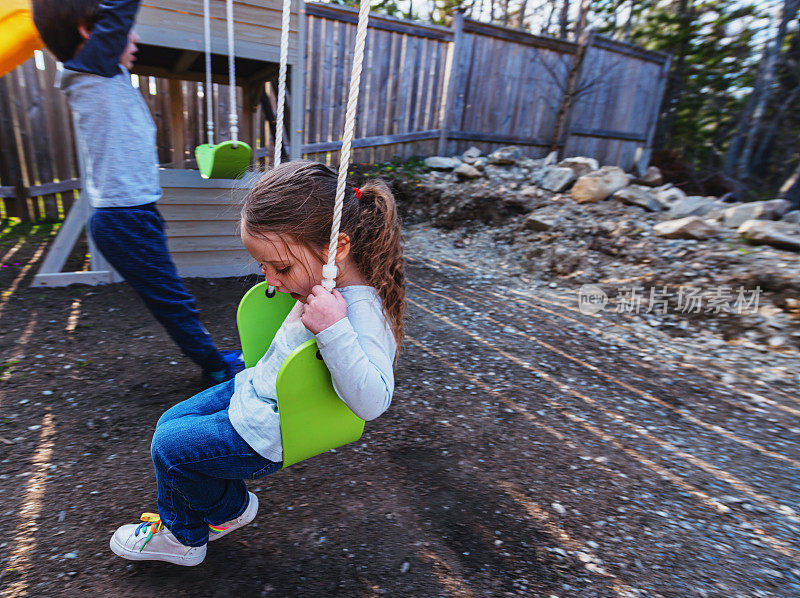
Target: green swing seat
(223, 160)
(313, 417)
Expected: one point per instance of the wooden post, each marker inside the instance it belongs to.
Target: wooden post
(642, 159)
(41, 138)
(9, 158)
(177, 136)
(298, 87)
(251, 94)
(453, 82)
(564, 116)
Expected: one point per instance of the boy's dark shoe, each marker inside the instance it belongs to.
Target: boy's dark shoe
(234, 361)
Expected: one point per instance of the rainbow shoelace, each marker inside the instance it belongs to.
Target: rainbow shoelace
(151, 524)
(215, 529)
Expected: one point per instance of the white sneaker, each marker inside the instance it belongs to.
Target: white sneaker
(215, 532)
(151, 541)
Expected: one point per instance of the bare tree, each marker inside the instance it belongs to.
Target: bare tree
(570, 93)
(772, 129)
(546, 28)
(583, 15)
(629, 23)
(523, 7)
(674, 89)
(563, 20)
(791, 188)
(737, 159)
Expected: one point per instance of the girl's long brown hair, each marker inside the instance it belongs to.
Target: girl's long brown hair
(296, 199)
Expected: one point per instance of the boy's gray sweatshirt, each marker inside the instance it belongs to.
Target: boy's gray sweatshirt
(116, 139)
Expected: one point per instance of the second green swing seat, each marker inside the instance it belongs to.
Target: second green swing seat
(313, 417)
(223, 160)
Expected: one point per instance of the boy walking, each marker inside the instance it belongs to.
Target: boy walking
(116, 139)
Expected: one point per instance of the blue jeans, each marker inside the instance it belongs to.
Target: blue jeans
(201, 463)
(133, 241)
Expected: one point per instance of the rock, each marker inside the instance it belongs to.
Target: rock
(755, 210)
(537, 175)
(530, 191)
(480, 163)
(636, 195)
(530, 163)
(580, 165)
(442, 163)
(777, 341)
(718, 213)
(558, 179)
(668, 195)
(495, 174)
(471, 155)
(691, 227)
(466, 171)
(695, 205)
(550, 159)
(652, 177)
(778, 234)
(599, 185)
(534, 222)
(505, 155)
(793, 216)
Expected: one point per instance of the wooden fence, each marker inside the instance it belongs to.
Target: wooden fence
(425, 90)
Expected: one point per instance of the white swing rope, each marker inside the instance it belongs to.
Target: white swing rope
(208, 91)
(329, 270)
(287, 10)
(233, 114)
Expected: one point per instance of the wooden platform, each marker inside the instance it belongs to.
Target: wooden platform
(202, 236)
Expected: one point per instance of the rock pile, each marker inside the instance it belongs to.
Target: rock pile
(577, 222)
(585, 181)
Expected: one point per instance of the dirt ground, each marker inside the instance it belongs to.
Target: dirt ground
(530, 450)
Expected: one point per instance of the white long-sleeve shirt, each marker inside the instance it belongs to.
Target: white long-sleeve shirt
(358, 350)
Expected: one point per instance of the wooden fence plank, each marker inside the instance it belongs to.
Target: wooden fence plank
(327, 91)
(41, 138)
(59, 124)
(25, 147)
(10, 171)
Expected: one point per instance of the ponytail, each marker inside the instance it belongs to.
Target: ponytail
(377, 246)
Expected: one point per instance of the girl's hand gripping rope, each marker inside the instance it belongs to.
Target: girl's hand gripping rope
(323, 309)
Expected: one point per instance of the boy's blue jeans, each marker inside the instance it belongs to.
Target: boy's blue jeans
(133, 241)
(201, 464)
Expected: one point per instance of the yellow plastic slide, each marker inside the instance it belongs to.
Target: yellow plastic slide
(18, 35)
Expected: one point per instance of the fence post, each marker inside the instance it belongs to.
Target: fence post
(564, 117)
(642, 158)
(9, 159)
(297, 114)
(176, 123)
(453, 83)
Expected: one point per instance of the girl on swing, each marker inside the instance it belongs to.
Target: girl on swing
(205, 447)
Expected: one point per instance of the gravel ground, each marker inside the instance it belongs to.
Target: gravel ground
(531, 450)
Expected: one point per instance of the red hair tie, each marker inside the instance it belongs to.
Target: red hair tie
(358, 193)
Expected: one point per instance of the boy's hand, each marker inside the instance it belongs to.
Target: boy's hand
(323, 309)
